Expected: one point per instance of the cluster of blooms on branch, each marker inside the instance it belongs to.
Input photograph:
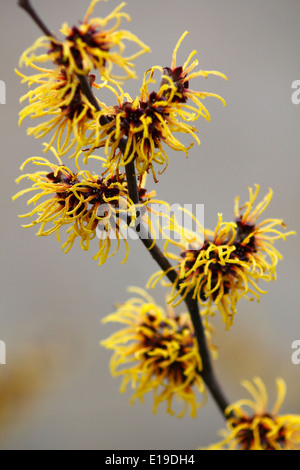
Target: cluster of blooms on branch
(158, 350)
(225, 264)
(91, 206)
(260, 429)
(131, 130)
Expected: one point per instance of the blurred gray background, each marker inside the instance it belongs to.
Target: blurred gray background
(57, 300)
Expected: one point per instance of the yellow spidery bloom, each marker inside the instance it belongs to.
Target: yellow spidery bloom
(255, 241)
(260, 429)
(208, 269)
(181, 76)
(58, 99)
(146, 123)
(152, 119)
(88, 47)
(224, 265)
(157, 351)
(54, 200)
(91, 206)
(111, 215)
(95, 45)
(57, 95)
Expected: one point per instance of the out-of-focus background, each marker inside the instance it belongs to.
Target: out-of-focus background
(61, 394)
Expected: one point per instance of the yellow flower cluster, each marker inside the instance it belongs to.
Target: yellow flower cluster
(132, 131)
(146, 122)
(90, 47)
(261, 429)
(90, 205)
(98, 44)
(58, 98)
(151, 119)
(227, 264)
(157, 351)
